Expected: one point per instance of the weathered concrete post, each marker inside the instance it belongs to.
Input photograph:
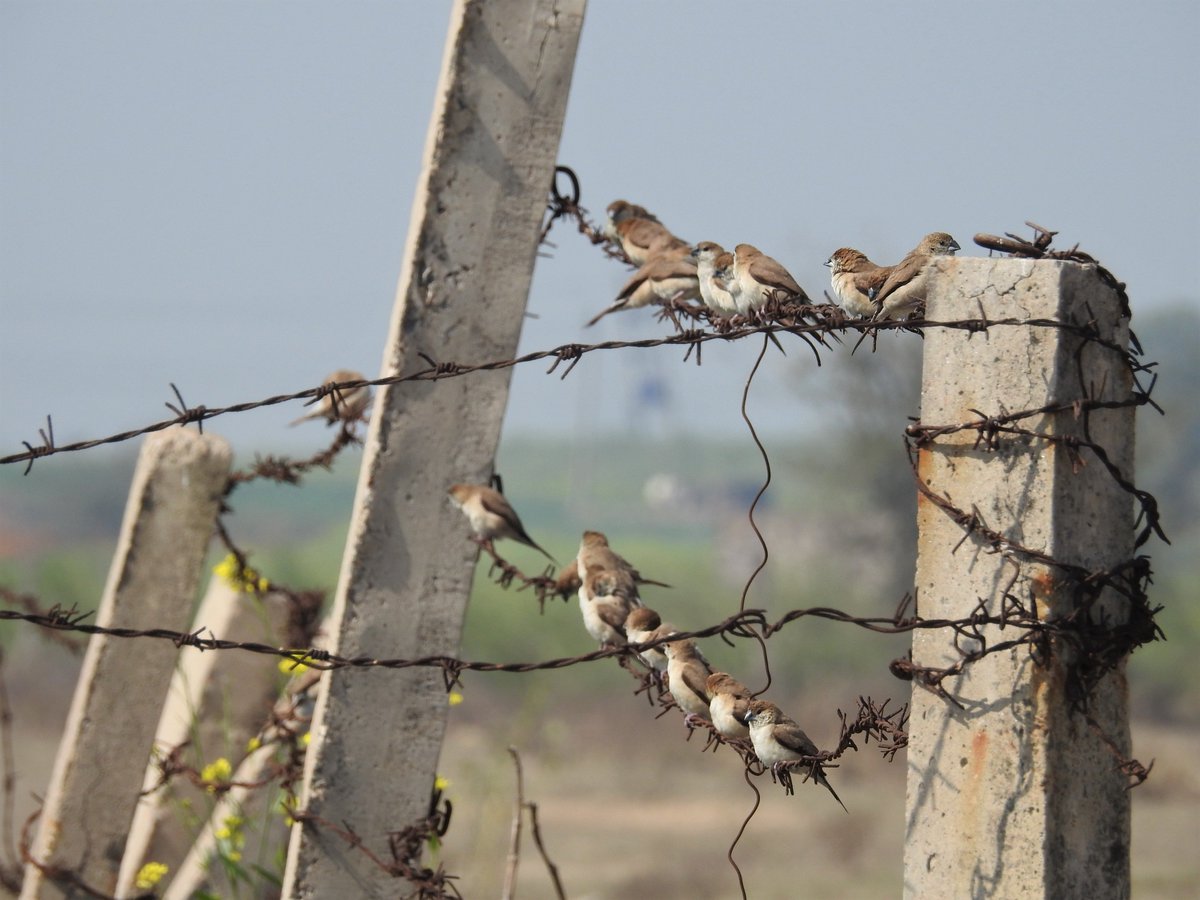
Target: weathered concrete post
(215, 702)
(169, 518)
(1013, 795)
(406, 572)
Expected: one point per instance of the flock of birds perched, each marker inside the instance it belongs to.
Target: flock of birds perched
(738, 285)
(615, 616)
(735, 288)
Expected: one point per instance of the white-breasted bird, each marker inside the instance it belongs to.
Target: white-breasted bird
(712, 265)
(907, 283)
(491, 515)
(855, 281)
(756, 277)
(778, 739)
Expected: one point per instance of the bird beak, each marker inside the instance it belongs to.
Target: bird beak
(828, 262)
(954, 245)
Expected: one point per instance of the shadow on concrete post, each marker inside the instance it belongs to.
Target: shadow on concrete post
(169, 519)
(408, 564)
(1014, 795)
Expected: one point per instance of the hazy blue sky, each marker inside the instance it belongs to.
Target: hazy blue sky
(217, 194)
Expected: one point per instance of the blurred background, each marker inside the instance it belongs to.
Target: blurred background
(216, 195)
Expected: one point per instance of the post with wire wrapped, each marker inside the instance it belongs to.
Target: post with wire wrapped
(1024, 461)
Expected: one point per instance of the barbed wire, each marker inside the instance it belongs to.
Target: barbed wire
(829, 321)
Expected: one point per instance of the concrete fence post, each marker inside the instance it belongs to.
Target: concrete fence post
(1014, 795)
(407, 568)
(216, 703)
(169, 518)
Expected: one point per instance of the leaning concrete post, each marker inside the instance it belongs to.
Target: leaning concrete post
(407, 568)
(1014, 795)
(169, 518)
(215, 702)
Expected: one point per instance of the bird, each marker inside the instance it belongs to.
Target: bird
(712, 258)
(644, 624)
(567, 582)
(687, 677)
(640, 233)
(340, 405)
(905, 287)
(660, 279)
(728, 702)
(608, 590)
(855, 280)
(778, 739)
(491, 516)
(756, 277)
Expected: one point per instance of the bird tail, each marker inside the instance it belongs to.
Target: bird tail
(611, 309)
(540, 549)
(822, 780)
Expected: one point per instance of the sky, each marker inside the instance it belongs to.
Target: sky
(217, 194)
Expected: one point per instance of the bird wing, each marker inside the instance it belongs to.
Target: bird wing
(494, 502)
(767, 271)
(636, 280)
(790, 735)
(613, 583)
(645, 234)
(695, 676)
(902, 273)
(869, 281)
(612, 613)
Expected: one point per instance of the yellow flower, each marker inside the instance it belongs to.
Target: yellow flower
(253, 744)
(234, 855)
(150, 874)
(286, 812)
(247, 579)
(455, 698)
(440, 783)
(291, 665)
(217, 771)
(305, 738)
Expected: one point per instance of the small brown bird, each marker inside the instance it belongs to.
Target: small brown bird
(729, 701)
(606, 598)
(712, 259)
(608, 589)
(778, 739)
(687, 679)
(756, 277)
(905, 287)
(855, 280)
(340, 405)
(491, 516)
(640, 234)
(661, 279)
(567, 581)
(642, 625)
